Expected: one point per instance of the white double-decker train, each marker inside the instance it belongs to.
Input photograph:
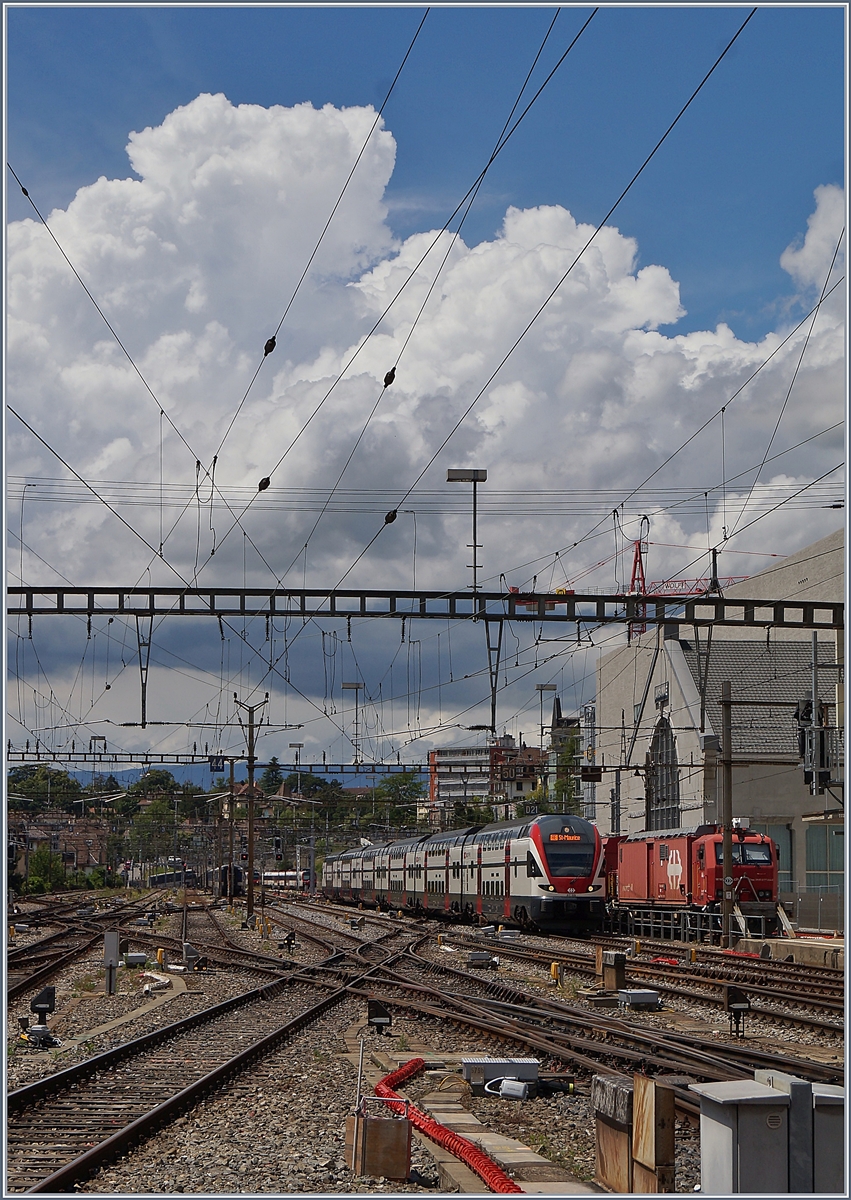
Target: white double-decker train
(531, 871)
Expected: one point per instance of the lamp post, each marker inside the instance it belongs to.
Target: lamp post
(23, 497)
(298, 747)
(475, 477)
(356, 688)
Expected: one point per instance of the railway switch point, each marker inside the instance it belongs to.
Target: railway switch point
(597, 997)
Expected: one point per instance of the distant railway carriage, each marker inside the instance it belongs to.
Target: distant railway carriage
(649, 874)
(179, 878)
(533, 871)
(222, 872)
(293, 880)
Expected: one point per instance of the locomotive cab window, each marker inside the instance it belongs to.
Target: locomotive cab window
(751, 853)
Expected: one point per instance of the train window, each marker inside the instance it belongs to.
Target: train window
(755, 853)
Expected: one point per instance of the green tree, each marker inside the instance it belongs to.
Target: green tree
(566, 789)
(36, 788)
(46, 870)
(103, 784)
(272, 777)
(155, 780)
(126, 806)
(152, 830)
(404, 787)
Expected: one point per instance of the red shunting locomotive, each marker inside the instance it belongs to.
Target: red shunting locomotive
(685, 870)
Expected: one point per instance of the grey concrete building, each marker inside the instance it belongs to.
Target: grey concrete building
(658, 730)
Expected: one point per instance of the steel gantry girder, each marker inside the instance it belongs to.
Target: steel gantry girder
(384, 603)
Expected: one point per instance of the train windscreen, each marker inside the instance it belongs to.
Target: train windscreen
(754, 853)
(569, 845)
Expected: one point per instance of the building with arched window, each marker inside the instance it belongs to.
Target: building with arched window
(658, 730)
(662, 779)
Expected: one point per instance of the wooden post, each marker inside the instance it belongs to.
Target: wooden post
(598, 965)
(611, 1096)
(652, 1136)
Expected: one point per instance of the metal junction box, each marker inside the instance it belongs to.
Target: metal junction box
(816, 1132)
(828, 1138)
(501, 1068)
(744, 1138)
(638, 998)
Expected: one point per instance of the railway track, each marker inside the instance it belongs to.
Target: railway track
(691, 981)
(63, 1126)
(29, 966)
(775, 971)
(570, 1036)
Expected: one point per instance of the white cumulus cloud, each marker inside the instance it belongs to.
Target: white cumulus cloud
(193, 263)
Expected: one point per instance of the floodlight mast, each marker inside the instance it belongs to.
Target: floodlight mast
(475, 477)
(356, 688)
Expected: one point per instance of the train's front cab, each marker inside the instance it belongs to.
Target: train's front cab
(755, 870)
(565, 869)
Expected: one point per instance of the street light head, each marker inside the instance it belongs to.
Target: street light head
(545, 687)
(466, 475)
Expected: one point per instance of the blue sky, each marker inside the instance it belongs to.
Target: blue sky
(729, 191)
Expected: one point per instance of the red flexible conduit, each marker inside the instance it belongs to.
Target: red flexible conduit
(485, 1167)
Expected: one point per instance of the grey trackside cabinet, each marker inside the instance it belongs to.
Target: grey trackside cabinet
(816, 1132)
(744, 1136)
(828, 1138)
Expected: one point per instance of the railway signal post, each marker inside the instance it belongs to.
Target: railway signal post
(727, 812)
(251, 709)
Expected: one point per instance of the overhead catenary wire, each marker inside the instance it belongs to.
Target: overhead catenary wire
(391, 515)
(325, 227)
(162, 412)
(531, 322)
(238, 519)
(264, 483)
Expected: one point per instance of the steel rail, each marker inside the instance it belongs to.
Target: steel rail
(660, 974)
(83, 1166)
